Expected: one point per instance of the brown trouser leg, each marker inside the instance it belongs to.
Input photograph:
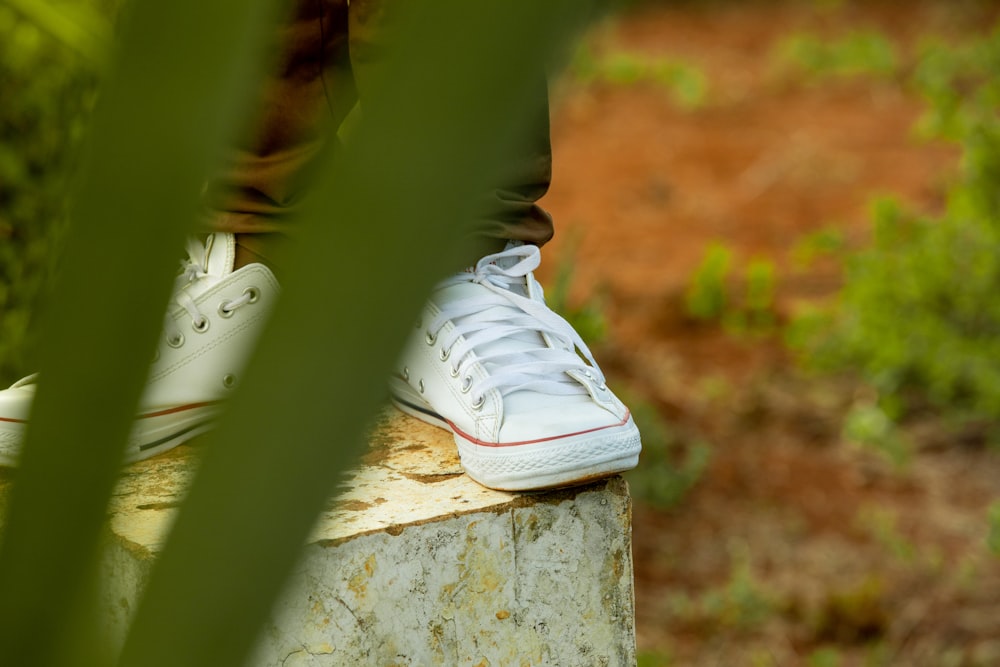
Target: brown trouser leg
(326, 53)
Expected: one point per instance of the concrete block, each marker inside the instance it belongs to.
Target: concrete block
(416, 564)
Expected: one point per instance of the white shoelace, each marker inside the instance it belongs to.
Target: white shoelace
(193, 270)
(501, 313)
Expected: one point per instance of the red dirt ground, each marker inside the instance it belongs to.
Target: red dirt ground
(795, 547)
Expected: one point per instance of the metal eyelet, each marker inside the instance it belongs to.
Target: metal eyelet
(175, 341)
(253, 293)
(454, 372)
(224, 309)
(420, 386)
(444, 354)
(430, 338)
(466, 384)
(200, 326)
(478, 403)
(406, 373)
(229, 381)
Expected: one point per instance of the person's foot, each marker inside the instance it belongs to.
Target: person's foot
(514, 383)
(210, 329)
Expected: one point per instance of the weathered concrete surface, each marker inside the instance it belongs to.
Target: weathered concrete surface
(416, 564)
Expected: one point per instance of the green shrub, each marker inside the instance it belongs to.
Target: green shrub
(993, 540)
(47, 90)
(743, 304)
(588, 318)
(861, 52)
(826, 242)
(706, 297)
(740, 603)
(868, 426)
(918, 315)
(685, 83)
(670, 468)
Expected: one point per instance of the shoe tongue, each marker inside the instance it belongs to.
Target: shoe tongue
(215, 257)
(506, 262)
(517, 285)
(221, 250)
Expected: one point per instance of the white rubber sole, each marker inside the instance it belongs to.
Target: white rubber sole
(554, 462)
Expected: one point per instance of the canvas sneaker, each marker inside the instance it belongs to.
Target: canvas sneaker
(210, 330)
(527, 404)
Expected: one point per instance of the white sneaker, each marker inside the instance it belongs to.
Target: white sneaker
(209, 332)
(491, 363)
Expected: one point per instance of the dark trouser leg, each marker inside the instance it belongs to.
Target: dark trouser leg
(327, 52)
(298, 108)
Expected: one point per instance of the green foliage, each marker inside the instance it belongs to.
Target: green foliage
(669, 468)
(587, 318)
(47, 93)
(742, 304)
(870, 427)
(959, 82)
(826, 242)
(75, 24)
(918, 316)
(686, 83)
(706, 297)
(740, 603)
(654, 659)
(993, 516)
(882, 525)
(759, 297)
(861, 52)
(824, 657)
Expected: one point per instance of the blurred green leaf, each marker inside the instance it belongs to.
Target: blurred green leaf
(706, 297)
(857, 53)
(77, 26)
(158, 128)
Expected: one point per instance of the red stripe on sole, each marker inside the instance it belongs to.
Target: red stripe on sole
(481, 443)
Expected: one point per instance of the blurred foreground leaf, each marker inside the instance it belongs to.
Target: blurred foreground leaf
(451, 104)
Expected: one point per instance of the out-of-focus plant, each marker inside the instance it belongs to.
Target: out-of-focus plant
(588, 318)
(883, 526)
(670, 467)
(960, 85)
(826, 242)
(918, 316)
(860, 52)
(654, 659)
(758, 306)
(740, 603)
(49, 59)
(867, 425)
(706, 297)
(743, 304)
(993, 540)
(686, 84)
